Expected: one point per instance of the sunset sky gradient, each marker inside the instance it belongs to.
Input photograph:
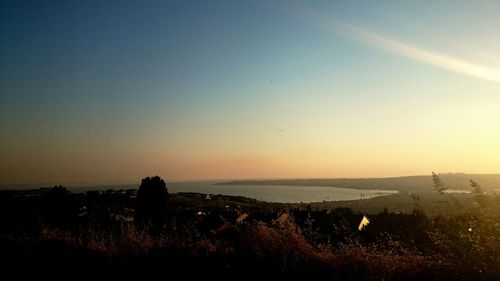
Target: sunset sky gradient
(112, 91)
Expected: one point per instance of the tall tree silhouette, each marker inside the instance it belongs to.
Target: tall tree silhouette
(152, 203)
(58, 207)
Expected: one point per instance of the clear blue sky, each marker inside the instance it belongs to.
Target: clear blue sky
(94, 91)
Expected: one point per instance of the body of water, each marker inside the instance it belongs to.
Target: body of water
(268, 193)
(280, 193)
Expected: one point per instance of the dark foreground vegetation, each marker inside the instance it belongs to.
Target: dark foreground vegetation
(195, 235)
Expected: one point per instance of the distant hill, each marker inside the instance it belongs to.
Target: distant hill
(403, 184)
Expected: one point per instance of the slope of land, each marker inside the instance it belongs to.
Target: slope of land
(414, 184)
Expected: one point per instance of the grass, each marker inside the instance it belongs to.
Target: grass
(310, 245)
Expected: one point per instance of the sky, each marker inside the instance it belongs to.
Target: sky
(114, 91)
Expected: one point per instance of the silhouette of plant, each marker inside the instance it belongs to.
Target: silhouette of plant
(438, 184)
(57, 207)
(152, 203)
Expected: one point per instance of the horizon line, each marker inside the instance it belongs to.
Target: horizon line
(180, 180)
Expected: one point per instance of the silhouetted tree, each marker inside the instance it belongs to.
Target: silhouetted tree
(151, 204)
(58, 207)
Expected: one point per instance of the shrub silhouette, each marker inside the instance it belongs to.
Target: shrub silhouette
(151, 204)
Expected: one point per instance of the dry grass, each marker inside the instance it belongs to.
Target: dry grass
(127, 241)
(288, 249)
(280, 250)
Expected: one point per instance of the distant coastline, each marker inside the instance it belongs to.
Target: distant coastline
(403, 184)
